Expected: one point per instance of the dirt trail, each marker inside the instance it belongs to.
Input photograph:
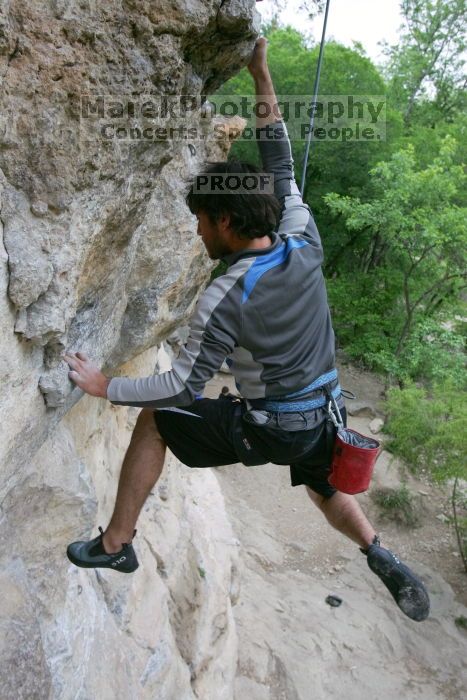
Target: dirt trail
(293, 646)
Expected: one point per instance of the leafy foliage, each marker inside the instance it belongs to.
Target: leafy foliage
(428, 431)
(426, 67)
(398, 504)
(405, 262)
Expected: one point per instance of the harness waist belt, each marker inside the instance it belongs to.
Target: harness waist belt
(284, 404)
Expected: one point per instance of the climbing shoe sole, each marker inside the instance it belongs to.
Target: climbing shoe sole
(407, 589)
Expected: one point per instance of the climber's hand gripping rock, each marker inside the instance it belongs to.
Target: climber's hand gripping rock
(86, 375)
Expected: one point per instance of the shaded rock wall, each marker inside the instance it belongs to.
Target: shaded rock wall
(89, 222)
(98, 252)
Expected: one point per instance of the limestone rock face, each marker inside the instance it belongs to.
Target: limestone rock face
(97, 249)
(165, 631)
(98, 252)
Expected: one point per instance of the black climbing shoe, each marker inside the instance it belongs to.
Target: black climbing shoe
(91, 555)
(407, 590)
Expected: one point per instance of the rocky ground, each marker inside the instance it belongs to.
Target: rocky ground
(293, 646)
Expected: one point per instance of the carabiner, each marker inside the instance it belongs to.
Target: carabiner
(338, 422)
(332, 416)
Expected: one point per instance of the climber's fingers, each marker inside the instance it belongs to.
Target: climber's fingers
(75, 366)
(72, 359)
(78, 358)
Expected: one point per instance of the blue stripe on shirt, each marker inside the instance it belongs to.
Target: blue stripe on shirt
(264, 263)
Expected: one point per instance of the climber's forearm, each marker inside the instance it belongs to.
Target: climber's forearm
(267, 108)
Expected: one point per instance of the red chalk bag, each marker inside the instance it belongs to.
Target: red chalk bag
(353, 460)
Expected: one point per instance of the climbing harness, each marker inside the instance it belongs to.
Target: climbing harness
(302, 400)
(315, 98)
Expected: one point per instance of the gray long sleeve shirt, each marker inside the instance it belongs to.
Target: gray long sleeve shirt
(267, 315)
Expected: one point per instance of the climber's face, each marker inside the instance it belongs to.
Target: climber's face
(216, 236)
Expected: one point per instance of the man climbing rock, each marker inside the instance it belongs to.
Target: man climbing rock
(268, 316)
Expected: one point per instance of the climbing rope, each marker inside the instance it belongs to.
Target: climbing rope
(315, 98)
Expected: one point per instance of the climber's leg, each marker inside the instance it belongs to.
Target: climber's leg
(141, 469)
(343, 512)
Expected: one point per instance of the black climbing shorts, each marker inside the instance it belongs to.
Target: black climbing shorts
(215, 432)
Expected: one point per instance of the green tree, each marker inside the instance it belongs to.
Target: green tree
(405, 261)
(429, 429)
(426, 67)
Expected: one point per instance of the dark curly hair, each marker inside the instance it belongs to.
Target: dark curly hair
(251, 215)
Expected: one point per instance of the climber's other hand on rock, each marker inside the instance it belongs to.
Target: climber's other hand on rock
(86, 375)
